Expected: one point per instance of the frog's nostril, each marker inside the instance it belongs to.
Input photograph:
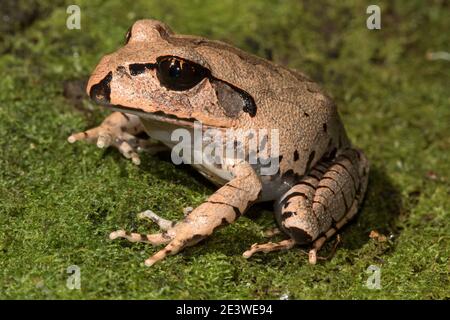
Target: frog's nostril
(101, 91)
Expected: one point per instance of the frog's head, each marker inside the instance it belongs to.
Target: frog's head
(160, 74)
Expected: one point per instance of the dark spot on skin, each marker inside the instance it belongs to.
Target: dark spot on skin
(305, 114)
(310, 160)
(288, 173)
(121, 69)
(290, 196)
(324, 127)
(249, 105)
(237, 212)
(280, 158)
(306, 183)
(326, 187)
(287, 214)
(165, 235)
(144, 237)
(286, 204)
(332, 154)
(234, 187)
(138, 68)
(300, 236)
(296, 156)
(168, 251)
(101, 92)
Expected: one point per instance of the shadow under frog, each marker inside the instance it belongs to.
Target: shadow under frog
(380, 211)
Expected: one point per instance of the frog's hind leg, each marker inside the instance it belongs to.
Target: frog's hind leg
(344, 183)
(294, 205)
(315, 208)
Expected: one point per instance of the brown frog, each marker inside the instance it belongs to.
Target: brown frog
(160, 82)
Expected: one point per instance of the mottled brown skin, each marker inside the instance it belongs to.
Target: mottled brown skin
(321, 180)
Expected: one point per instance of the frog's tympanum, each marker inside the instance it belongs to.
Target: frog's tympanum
(161, 81)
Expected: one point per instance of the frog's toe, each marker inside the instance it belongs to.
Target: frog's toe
(269, 247)
(129, 152)
(175, 246)
(162, 223)
(88, 135)
(154, 239)
(104, 139)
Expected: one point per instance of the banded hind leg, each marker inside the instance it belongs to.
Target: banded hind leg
(318, 206)
(223, 207)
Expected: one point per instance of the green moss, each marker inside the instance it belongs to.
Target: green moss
(58, 202)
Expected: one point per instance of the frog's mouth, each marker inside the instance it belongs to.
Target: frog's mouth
(159, 116)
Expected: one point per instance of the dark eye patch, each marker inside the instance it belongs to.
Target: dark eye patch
(138, 68)
(233, 99)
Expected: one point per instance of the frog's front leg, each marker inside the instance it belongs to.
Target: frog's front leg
(221, 208)
(119, 130)
(320, 204)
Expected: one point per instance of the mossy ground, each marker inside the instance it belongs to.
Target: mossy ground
(58, 202)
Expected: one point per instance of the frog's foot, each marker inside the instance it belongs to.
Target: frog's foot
(119, 130)
(154, 239)
(269, 247)
(317, 245)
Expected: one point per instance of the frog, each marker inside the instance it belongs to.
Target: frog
(161, 81)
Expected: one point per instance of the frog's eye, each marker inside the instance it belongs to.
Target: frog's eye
(128, 35)
(179, 74)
